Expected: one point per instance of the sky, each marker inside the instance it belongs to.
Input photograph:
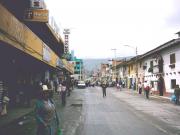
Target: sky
(98, 26)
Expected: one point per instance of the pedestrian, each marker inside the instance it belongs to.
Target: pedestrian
(177, 94)
(55, 85)
(63, 92)
(68, 85)
(123, 84)
(59, 89)
(161, 85)
(140, 87)
(5, 101)
(147, 89)
(45, 113)
(104, 86)
(120, 84)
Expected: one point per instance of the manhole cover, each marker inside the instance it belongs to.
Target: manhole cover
(76, 105)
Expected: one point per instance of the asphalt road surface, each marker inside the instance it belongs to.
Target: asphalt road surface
(113, 116)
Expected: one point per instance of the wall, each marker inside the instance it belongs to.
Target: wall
(170, 73)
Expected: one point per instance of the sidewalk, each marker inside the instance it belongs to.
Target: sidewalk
(22, 122)
(155, 97)
(15, 114)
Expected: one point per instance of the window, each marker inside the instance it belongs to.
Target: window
(173, 83)
(151, 64)
(172, 58)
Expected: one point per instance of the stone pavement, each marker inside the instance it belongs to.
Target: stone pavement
(162, 109)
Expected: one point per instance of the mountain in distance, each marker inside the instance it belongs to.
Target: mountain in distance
(94, 64)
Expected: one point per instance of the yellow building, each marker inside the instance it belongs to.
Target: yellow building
(29, 51)
(132, 71)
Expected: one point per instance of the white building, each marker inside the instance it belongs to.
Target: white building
(171, 57)
(161, 67)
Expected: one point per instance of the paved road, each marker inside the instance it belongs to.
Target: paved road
(115, 116)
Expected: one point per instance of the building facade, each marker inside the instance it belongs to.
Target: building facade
(30, 51)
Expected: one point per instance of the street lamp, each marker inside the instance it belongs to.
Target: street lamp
(114, 59)
(135, 48)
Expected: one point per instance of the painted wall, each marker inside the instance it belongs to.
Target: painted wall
(171, 73)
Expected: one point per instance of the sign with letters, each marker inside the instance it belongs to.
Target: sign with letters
(37, 15)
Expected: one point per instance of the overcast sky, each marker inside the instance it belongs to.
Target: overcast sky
(97, 26)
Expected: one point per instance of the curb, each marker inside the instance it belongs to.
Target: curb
(160, 98)
(155, 97)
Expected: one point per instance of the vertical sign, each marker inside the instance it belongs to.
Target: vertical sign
(66, 40)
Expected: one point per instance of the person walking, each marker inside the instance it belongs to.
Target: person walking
(45, 113)
(140, 87)
(147, 89)
(104, 86)
(63, 92)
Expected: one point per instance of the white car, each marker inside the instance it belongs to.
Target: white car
(81, 84)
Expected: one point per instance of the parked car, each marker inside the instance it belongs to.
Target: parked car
(81, 84)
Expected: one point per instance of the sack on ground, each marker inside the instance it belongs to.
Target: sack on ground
(173, 98)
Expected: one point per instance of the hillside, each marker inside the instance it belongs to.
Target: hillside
(94, 64)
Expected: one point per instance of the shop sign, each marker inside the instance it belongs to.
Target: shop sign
(59, 63)
(46, 53)
(37, 15)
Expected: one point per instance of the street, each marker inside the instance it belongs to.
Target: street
(121, 112)
(116, 115)
(89, 68)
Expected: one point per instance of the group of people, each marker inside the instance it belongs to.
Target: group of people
(146, 87)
